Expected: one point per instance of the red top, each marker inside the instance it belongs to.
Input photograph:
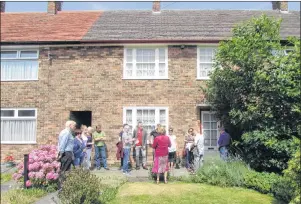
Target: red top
(161, 144)
(139, 137)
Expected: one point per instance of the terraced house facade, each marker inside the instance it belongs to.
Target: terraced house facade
(110, 68)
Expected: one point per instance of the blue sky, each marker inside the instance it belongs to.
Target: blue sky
(69, 6)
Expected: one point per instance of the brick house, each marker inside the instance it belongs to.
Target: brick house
(110, 68)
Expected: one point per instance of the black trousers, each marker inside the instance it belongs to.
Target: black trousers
(66, 162)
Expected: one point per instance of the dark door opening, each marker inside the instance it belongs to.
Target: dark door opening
(81, 118)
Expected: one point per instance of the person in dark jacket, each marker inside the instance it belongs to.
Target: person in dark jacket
(223, 144)
(78, 149)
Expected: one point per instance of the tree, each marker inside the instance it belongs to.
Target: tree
(255, 90)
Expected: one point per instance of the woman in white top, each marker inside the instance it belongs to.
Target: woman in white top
(198, 150)
(172, 150)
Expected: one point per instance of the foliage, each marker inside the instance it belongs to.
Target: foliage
(43, 169)
(80, 186)
(283, 189)
(293, 172)
(261, 182)
(24, 196)
(220, 173)
(180, 193)
(255, 91)
(5, 177)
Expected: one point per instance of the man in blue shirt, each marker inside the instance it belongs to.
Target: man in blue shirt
(65, 146)
(223, 144)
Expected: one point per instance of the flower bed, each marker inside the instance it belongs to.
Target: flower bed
(43, 169)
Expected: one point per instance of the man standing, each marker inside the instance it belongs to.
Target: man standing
(223, 143)
(140, 135)
(100, 147)
(65, 147)
(127, 141)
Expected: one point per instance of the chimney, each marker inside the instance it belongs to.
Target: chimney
(54, 6)
(2, 6)
(156, 6)
(280, 5)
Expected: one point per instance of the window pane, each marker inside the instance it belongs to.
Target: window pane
(213, 134)
(206, 134)
(161, 69)
(145, 55)
(29, 54)
(18, 130)
(162, 117)
(206, 117)
(9, 54)
(206, 125)
(7, 113)
(26, 113)
(145, 70)
(19, 69)
(161, 55)
(213, 142)
(207, 142)
(213, 125)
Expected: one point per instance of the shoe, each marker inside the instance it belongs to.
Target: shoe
(107, 168)
(144, 167)
(137, 168)
(98, 168)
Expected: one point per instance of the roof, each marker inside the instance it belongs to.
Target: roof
(181, 24)
(135, 25)
(64, 26)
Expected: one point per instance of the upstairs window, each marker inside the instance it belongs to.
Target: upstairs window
(205, 60)
(19, 65)
(145, 63)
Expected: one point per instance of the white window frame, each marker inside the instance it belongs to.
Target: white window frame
(215, 46)
(19, 58)
(157, 114)
(210, 147)
(285, 51)
(16, 117)
(156, 77)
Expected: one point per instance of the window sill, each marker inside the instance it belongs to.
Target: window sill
(18, 143)
(145, 78)
(19, 80)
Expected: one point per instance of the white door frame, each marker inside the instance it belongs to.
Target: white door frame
(211, 146)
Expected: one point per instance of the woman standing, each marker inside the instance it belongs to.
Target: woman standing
(89, 145)
(189, 144)
(78, 149)
(161, 144)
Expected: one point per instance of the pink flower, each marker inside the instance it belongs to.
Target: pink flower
(28, 183)
(30, 161)
(49, 176)
(39, 175)
(31, 175)
(17, 176)
(55, 176)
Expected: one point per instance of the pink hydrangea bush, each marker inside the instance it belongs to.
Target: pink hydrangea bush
(43, 169)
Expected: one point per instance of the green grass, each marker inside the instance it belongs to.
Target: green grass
(5, 177)
(24, 196)
(183, 193)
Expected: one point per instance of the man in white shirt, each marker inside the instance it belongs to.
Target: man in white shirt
(198, 151)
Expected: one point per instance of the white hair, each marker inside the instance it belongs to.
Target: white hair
(70, 122)
(90, 129)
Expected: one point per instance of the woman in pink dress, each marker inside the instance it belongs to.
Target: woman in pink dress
(161, 144)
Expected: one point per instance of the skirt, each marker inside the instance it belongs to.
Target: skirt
(160, 164)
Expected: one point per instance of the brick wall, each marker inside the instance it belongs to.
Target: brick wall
(90, 78)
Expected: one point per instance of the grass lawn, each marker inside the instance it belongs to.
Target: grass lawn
(24, 196)
(5, 177)
(181, 193)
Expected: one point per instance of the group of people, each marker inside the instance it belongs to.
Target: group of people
(75, 147)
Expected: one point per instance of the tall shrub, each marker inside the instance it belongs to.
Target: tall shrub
(255, 90)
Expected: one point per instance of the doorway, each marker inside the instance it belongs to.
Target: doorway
(81, 118)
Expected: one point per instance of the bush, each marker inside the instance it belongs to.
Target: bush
(283, 189)
(43, 169)
(261, 182)
(80, 187)
(220, 173)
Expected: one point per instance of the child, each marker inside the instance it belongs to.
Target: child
(178, 161)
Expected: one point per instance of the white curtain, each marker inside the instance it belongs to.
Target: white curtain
(19, 69)
(13, 130)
